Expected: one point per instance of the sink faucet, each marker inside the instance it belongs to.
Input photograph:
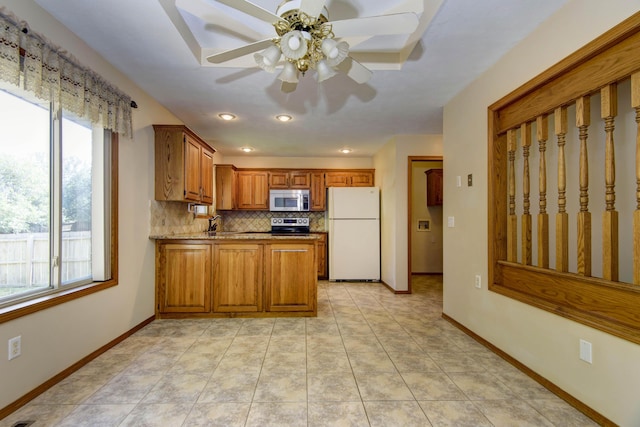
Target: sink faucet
(213, 226)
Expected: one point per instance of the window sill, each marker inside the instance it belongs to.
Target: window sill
(37, 304)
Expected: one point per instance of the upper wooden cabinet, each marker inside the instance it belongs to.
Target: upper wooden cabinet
(225, 187)
(290, 179)
(434, 187)
(253, 190)
(318, 192)
(349, 178)
(183, 165)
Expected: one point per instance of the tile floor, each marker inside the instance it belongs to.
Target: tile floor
(370, 358)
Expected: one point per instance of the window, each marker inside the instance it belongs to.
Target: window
(55, 201)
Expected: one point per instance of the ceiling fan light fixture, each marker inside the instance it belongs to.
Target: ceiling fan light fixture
(325, 72)
(334, 51)
(289, 73)
(268, 58)
(294, 45)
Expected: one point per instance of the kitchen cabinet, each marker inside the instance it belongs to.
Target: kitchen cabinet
(434, 187)
(349, 178)
(183, 278)
(318, 193)
(252, 190)
(291, 271)
(237, 277)
(225, 187)
(234, 275)
(323, 267)
(183, 165)
(289, 179)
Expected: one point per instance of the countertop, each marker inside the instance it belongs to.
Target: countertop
(234, 235)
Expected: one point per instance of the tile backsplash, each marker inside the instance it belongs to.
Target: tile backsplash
(168, 218)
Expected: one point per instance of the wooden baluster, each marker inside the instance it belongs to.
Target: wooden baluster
(583, 120)
(525, 138)
(562, 217)
(635, 103)
(542, 131)
(609, 110)
(512, 223)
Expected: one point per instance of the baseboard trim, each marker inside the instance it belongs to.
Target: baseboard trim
(393, 290)
(19, 403)
(580, 406)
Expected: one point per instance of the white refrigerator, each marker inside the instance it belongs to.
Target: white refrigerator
(354, 233)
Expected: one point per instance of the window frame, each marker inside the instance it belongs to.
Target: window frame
(65, 294)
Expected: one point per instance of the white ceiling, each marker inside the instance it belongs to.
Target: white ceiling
(160, 47)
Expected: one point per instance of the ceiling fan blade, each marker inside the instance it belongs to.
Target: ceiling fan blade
(397, 23)
(227, 55)
(312, 7)
(355, 70)
(252, 10)
(288, 87)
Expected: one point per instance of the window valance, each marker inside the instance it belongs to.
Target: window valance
(30, 61)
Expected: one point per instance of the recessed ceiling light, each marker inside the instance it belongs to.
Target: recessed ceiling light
(227, 116)
(247, 149)
(346, 150)
(284, 117)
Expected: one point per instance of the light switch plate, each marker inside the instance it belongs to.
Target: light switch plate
(585, 351)
(451, 222)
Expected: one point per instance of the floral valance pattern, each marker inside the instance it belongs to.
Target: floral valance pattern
(30, 61)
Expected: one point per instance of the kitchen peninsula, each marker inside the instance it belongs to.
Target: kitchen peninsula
(235, 274)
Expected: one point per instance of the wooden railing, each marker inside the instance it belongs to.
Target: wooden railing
(560, 277)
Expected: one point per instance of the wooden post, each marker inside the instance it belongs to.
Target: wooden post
(525, 138)
(512, 222)
(562, 218)
(583, 120)
(635, 103)
(609, 110)
(542, 131)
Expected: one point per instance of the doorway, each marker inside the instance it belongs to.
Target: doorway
(424, 219)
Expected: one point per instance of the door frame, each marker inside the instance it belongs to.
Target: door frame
(410, 160)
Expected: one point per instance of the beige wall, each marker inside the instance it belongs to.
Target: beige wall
(54, 339)
(391, 164)
(299, 162)
(546, 343)
(426, 246)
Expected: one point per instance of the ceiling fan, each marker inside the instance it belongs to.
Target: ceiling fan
(306, 39)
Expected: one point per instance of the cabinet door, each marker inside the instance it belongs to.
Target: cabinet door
(318, 192)
(237, 278)
(434, 187)
(253, 190)
(192, 174)
(206, 176)
(184, 278)
(225, 187)
(278, 180)
(299, 180)
(291, 277)
(323, 271)
(361, 179)
(337, 179)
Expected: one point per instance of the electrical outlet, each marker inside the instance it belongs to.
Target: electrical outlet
(585, 351)
(469, 180)
(15, 347)
(478, 281)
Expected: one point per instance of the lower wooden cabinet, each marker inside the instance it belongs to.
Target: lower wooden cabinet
(183, 278)
(291, 273)
(235, 278)
(323, 266)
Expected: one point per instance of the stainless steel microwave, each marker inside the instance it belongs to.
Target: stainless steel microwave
(289, 200)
